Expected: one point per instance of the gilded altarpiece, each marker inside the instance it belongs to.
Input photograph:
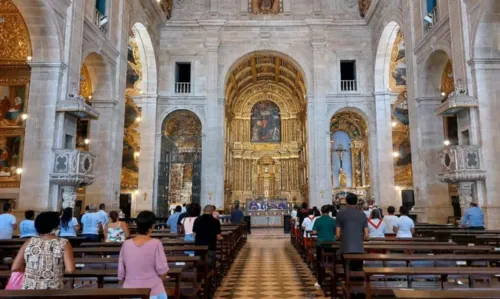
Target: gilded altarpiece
(15, 52)
(265, 145)
(131, 135)
(403, 175)
(349, 154)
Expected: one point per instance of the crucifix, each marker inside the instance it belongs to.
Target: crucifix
(340, 152)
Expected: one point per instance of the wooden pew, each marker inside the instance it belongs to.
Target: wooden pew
(78, 294)
(461, 294)
(441, 272)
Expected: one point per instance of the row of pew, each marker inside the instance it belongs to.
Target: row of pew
(97, 267)
(463, 265)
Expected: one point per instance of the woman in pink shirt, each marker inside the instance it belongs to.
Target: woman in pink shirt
(149, 270)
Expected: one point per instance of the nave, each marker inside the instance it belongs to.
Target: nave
(268, 267)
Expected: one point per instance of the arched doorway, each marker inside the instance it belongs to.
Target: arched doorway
(265, 142)
(179, 171)
(349, 153)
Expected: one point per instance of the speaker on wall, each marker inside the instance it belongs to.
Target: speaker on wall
(408, 198)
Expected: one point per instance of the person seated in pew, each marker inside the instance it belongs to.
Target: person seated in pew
(390, 220)
(92, 225)
(324, 227)
(376, 227)
(207, 231)
(405, 228)
(44, 259)
(193, 211)
(142, 262)
(308, 222)
(116, 230)
(473, 217)
(172, 219)
(236, 215)
(69, 224)
(8, 222)
(27, 226)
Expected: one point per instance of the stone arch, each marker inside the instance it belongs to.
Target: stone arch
(485, 31)
(149, 83)
(163, 116)
(234, 58)
(383, 56)
(101, 76)
(45, 35)
(430, 74)
(363, 111)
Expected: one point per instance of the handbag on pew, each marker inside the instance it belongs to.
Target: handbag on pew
(15, 281)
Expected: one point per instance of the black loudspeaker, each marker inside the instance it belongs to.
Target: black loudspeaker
(455, 202)
(286, 223)
(408, 198)
(248, 221)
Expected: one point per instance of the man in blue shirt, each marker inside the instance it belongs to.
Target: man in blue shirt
(474, 216)
(236, 215)
(172, 220)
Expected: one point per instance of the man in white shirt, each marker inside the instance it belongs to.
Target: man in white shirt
(390, 220)
(7, 222)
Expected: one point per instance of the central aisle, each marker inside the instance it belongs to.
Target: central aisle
(268, 268)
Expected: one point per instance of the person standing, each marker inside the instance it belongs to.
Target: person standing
(69, 224)
(324, 228)
(376, 227)
(45, 259)
(8, 222)
(193, 211)
(27, 226)
(116, 230)
(474, 217)
(92, 225)
(180, 227)
(236, 215)
(103, 215)
(303, 213)
(183, 208)
(405, 228)
(352, 230)
(207, 231)
(390, 220)
(172, 220)
(151, 268)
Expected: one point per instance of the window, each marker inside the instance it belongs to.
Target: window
(100, 5)
(183, 77)
(431, 15)
(348, 75)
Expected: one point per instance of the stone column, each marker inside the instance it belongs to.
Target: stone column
(320, 186)
(147, 129)
(432, 202)
(39, 138)
(386, 194)
(212, 180)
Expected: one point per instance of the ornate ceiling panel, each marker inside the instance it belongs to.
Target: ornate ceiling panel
(350, 122)
(15, 45)
(265, 67)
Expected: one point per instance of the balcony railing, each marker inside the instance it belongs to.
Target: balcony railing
(182, 87)
(99, 17)
(348, 85)
(431, 19)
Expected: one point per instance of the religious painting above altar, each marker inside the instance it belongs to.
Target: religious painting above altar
(12, 100)
(265, 6)
(266, 122)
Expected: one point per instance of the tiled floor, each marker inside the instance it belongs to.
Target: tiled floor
(268, 268)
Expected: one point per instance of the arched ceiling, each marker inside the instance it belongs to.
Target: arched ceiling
(265, 67)
(350, 122)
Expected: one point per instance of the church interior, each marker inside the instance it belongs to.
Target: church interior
(271, 107)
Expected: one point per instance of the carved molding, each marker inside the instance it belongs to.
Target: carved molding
(461, 163)
(73, 168)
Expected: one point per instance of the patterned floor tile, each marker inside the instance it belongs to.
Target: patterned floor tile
(268, 268)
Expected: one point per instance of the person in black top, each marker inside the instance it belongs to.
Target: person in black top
(303, 213)
(207, 231)
(236, 215)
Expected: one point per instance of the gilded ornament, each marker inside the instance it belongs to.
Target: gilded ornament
(364, 5)
(447, 80)
(85, 83)
(15, 45)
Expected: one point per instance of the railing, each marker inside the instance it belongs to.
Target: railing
(97, 21)
(182, 87)
(348, 85)
(432, 17)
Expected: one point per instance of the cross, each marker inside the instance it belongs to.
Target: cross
(340, 152)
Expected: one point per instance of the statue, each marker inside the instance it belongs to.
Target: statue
(342, 178)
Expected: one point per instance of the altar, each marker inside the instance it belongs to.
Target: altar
(267, 213)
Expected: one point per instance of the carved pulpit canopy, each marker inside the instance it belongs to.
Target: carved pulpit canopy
(265, 6)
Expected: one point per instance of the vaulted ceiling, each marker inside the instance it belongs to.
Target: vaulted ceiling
(265, 67)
